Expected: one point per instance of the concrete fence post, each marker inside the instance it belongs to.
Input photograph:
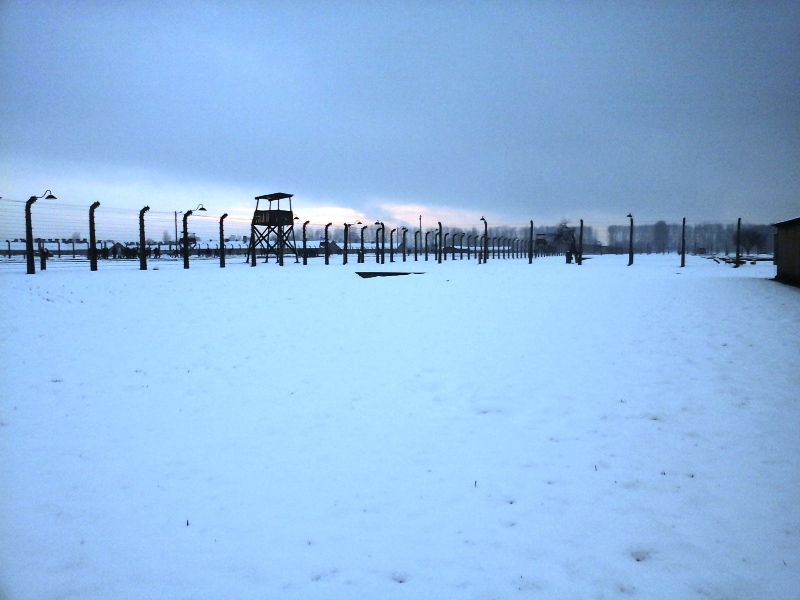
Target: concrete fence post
(92, 250)
(222, 241)
(142, 249)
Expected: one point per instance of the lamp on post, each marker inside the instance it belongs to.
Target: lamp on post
(48, 195)
(405, 230)
(630, 242)
(200, 208)
(485, 240)
(391, 245)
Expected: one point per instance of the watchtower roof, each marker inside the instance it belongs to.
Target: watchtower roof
(275, 196)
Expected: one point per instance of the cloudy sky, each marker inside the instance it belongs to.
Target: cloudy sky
(515, 110)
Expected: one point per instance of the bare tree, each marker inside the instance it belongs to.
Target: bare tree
(752, 237)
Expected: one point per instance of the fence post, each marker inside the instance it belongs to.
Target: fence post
(186, 240)
(580, 245)
(404, 243)
(738, 243)
(251, 251)
(42, 255)
(92, 251)
(530, 245)
(346, 236)
(362, 258)
(485, 247)
(142, 250)
(383, 243)
(391, 245)
(683, 243)
(327, 248)
(222, 241)
(630, 242)
(440, 247)
(305, 253)
(29, 237)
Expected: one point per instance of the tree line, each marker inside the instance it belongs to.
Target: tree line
(714, 238)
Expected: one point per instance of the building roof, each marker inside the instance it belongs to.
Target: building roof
(786, 223)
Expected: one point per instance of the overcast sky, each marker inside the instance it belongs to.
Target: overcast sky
(515, 110)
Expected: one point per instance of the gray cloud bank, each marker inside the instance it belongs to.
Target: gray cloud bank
(518, 109)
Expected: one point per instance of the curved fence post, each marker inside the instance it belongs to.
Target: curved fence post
(305, 252)
(222, 241)
(142, 250)
(327, 247)
(92, 240)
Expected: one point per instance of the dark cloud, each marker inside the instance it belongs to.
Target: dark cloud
(527, 107)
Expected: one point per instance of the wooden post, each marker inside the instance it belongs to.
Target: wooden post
(683, 243)
(738, 242)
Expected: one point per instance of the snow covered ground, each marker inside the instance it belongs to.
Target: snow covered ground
(497, 431)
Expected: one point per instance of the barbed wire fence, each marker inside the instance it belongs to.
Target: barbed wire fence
(61, 231)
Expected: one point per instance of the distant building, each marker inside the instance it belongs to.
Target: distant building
(787, 251)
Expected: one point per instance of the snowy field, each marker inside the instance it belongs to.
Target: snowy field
(497, 431)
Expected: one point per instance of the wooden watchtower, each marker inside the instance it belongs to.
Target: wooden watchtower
(272, 229)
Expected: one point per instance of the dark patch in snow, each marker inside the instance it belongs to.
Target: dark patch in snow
(640, 555)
